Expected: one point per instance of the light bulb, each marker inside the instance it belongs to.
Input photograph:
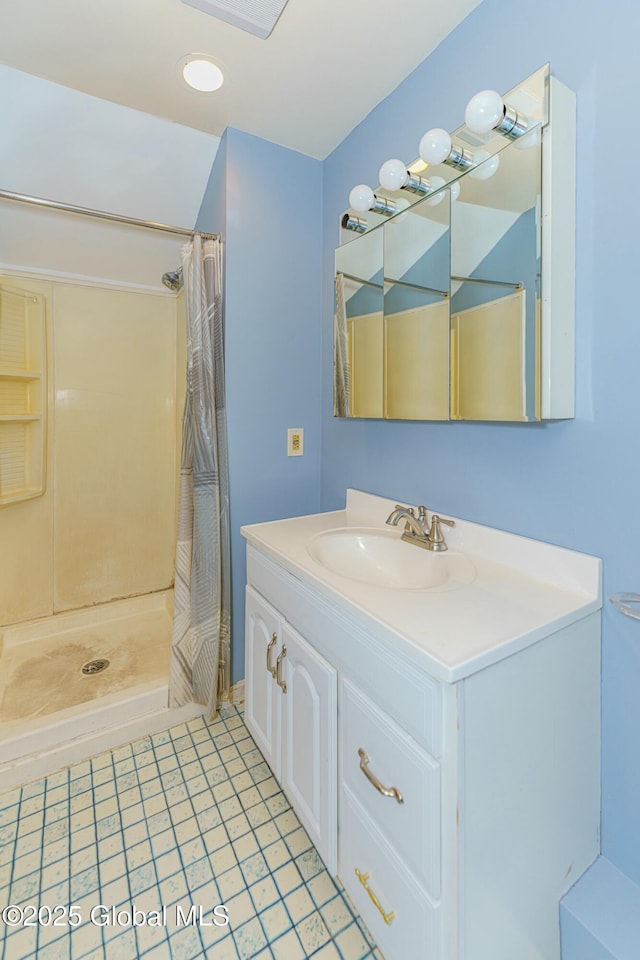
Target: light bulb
(484, 165)
(455, 190)
(202, 74)
(361, 198)
(435, 146)
(436, 184)
(484, 111)
(393, 175)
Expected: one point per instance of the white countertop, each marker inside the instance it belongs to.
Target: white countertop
(523, 591)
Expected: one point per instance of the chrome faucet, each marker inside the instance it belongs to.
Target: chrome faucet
(417, 529)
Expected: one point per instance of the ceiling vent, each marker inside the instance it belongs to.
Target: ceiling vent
(255, 16)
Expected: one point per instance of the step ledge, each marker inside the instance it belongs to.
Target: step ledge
(606, 903)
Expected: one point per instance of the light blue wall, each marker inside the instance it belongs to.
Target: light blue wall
(260, 197)
(573, 483)
(212, 217)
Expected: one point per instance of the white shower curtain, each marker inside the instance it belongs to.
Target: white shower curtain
(202, 617)
(341, 369)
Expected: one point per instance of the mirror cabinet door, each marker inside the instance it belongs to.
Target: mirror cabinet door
(440, 313)
(416, 311)
(358, 328)
(495, 287)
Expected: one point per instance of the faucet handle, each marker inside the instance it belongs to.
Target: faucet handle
(449, 523)
(435, 533)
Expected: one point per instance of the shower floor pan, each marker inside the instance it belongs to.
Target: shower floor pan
(53, 714)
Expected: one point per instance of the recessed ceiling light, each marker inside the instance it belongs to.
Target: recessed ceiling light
(202, 74)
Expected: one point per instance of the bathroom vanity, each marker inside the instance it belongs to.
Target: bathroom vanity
(434, 721)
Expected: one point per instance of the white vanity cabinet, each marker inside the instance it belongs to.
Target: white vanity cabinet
(466, 793)
(493, 832)
(291, 712)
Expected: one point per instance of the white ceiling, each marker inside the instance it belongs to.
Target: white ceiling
(324, 67)
(70, 147)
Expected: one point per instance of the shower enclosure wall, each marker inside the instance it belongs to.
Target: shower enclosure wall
(103, 529)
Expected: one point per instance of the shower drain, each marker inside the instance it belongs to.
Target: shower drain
(95, 666)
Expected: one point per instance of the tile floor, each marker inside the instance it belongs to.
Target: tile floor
(188, 817)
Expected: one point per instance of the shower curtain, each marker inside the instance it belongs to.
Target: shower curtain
(202, 617)
(341, 371)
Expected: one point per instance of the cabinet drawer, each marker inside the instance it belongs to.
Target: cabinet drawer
(411, 930)
(412, 827)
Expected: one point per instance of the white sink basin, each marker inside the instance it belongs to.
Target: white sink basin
(381, 559)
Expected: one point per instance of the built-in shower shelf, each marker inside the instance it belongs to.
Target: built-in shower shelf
(19, 374)
(19, 417)
(20, 495)
(22, 395)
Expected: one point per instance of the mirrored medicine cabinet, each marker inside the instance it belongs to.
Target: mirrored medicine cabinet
(460, 305)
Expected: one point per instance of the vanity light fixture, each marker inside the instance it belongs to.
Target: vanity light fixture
(202, 74)
(487, 111)
(394, 175)
(436, 147)
(362, 198)
(357, 224)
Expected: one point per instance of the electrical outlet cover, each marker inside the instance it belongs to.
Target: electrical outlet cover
(295, 442)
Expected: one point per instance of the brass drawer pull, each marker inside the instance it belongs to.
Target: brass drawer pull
(385, 791)
(281, 683)
(387, 917)
(271, 645)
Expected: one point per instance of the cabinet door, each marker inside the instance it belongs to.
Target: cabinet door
(309, 775)
(263, 695)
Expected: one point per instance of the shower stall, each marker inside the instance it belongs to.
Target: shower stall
(91, 396)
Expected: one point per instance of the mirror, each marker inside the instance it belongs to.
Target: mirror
(463, 308)
(495, 288)
(358, 330)
(391, 338)
(416, 311)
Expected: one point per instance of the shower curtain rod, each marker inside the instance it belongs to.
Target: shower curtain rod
(102, 215)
